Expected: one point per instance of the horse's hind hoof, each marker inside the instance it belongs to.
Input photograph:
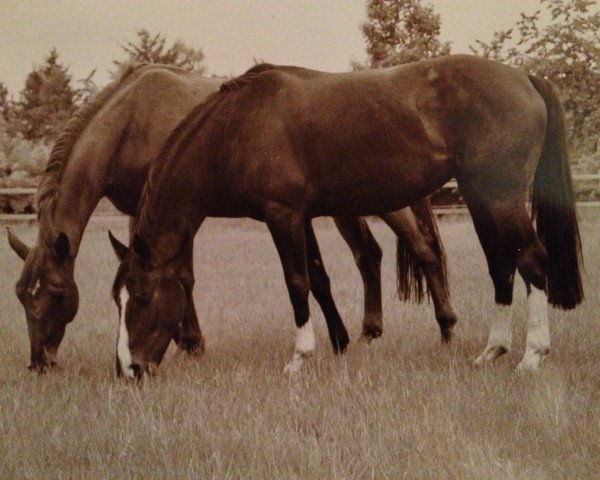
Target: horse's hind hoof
(446, 335)
(371, 333)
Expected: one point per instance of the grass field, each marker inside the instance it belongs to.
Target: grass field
(403, 407)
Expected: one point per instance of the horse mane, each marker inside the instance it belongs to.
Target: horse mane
(47, 191)
(246, 78)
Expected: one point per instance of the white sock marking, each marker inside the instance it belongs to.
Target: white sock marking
(123, 339)
(500, 337)
(538, 334)
(305, 347)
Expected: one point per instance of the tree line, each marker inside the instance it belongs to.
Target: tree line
(559, 41)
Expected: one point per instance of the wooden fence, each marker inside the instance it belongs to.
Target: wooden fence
(13, 197)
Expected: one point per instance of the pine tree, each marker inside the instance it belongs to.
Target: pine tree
(46, 102)
(152, 49)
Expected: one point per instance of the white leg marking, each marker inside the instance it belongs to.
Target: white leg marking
(305, 347)
(538, 334)
(500, 336)
(123, 339)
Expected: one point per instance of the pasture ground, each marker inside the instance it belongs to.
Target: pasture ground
(403, 407)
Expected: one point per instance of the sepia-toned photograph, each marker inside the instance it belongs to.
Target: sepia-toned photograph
(300, 239)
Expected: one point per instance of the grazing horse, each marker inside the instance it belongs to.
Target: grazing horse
(106, 149)
(284, 147)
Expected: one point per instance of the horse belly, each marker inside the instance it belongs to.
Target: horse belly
(376, 188)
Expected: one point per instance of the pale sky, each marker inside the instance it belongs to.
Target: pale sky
(319, 34)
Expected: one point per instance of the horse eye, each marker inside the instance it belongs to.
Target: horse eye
(143, 299)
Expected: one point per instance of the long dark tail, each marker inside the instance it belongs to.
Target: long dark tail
(410, 272)
(553, 207)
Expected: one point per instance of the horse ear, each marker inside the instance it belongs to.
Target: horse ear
(141, 249)
(61, 247)
(119, 248)
(16, 244)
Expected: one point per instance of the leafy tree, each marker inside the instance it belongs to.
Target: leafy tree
(152, 49)
(4, 101)
(46, 102)
(401, 31)
(565, 50)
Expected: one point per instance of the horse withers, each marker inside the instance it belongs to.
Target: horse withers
(284, 148)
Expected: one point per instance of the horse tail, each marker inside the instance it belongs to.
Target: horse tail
(553, 207)
(409, 267)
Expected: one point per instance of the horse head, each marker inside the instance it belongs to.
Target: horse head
(152, 303)
(48, 293)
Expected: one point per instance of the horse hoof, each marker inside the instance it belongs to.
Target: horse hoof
(489, 355)
(371, 333)
(446, 335)
(532, 360)
(340, 344)
(192, 345)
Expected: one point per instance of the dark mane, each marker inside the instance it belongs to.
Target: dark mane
(62, 148)
(247, 77)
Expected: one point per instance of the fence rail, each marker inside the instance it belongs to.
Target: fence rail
(440, 210)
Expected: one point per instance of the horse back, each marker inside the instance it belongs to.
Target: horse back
(372, 137)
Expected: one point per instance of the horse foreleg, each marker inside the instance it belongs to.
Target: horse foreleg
(320, 287)
(287, 228)
(367, 256)
(416, 228)
(190, 337)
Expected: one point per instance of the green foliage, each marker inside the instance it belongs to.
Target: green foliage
(401, 31)
(566, 50)
(18, 154)
(47, 101)
(152, 49)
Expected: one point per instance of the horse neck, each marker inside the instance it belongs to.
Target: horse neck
(75, 201)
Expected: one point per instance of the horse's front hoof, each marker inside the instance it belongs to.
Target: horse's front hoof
(192, 345)
(340, 343)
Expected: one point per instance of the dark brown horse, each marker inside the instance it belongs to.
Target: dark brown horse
(105, 150)
(285, 147)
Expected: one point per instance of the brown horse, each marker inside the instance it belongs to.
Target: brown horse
(106, 149)
(284, 147)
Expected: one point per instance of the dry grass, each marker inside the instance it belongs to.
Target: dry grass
(403, 407)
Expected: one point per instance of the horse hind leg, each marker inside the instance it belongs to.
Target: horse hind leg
(320, 287)
(420, 252)
(530, 264)
(367, 256)
(503, 230)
